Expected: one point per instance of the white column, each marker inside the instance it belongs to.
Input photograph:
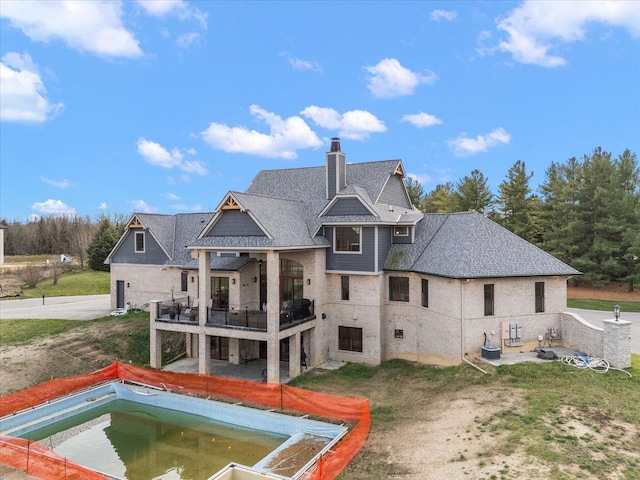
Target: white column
(187, 345)
(204, 286)
(204, 289)
(616, 343)
(204, 353)
(294, 355)
(155, 337)
(273, 317)
(234, 351)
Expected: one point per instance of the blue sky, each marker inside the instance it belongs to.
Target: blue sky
(164, 106)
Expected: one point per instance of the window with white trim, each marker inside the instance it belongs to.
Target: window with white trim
(139, 242)
(347, 239)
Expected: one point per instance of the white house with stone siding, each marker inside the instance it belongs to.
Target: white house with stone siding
(335, 261)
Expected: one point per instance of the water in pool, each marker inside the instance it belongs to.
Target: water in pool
(134, 441)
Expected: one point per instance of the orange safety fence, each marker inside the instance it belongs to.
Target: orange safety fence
(39, 462)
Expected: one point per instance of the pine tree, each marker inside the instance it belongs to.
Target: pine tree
(415, 191)
(102, 244)
(518, 206)
(474, 194)
(441, 199)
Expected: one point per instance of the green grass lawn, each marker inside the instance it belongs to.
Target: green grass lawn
(86, 282)
(133, 345)
(602, 305)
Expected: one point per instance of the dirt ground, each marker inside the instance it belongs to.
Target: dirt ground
(437, 437)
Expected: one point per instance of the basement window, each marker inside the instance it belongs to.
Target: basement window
(350, 339)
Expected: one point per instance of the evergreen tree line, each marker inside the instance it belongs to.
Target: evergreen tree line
(586, 211)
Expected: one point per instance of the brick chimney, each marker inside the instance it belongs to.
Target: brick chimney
(336, 178)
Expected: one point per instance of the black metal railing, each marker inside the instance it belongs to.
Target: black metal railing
(177, 309)
(299, 311)
(182, 310)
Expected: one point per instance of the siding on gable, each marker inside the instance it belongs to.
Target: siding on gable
(153, 254)
(394, 193)
(353, 262)
(234, 223)
(347, 206)
(384, 244)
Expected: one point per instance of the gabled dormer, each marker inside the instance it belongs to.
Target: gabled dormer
(395, 192)
(336, 175)
(233, 220)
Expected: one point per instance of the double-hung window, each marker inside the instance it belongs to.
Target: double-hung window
(139, 242)
(425, 292)
(488, 299)
(184, 277)
(399, 289)
(347, 239)
(344, 287)
(539, 297)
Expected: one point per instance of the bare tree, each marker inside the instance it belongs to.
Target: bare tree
(31, 275)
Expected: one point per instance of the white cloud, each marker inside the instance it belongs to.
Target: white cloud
(299, 64)
(178, 8)
(354, 124)
(422, 119)
(102, 206)
(423, 178)
(141, 206)
(536, 30)
(156, 154)
(172, 196)
(284, 138)
(464, 146)
(437, 15)
(390, 79)
(23, 96)
(181, 207)
(56, 183)
(95, 27)
(187, 39)
(53, 207)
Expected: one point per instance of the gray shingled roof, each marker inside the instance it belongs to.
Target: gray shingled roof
(468, 245)
(308, 186)
(283, 220)
(175, 232)
(227, 264)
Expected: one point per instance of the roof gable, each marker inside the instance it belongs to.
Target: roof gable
(172, 233)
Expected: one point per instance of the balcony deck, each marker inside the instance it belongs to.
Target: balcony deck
(251, 320)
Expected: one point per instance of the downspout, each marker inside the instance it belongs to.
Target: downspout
(462, 331)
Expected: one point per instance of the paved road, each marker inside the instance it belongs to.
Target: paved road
(595, 318)
(82, 307)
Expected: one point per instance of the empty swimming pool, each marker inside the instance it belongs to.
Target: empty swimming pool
(135, 432)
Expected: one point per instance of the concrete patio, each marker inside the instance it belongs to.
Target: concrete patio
(251, 370)
(513, 358)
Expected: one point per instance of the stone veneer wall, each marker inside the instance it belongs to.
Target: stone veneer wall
(581, 335)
